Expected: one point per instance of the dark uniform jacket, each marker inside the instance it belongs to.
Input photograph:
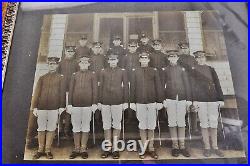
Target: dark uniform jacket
(117, 50)
(146, 86)
(131, 61)
(113, 86)
(145, 48)
(187, 61)
(67, 67)
(176, 82)
(205, 85)
(158, 60)
(97, 62)
(82, 51)
(50, 92)
(83, 89)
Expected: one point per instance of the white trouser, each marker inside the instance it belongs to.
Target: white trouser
(176, 112)
(111, 116)
(81, 118)
(146, 115)
(208, 114)
(47, 120)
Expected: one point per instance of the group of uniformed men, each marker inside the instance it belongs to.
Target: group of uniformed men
(142, 78)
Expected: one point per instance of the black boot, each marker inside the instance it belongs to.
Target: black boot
(105, 154)
(74, 154)
(153, 154)
(49, 155)
(175, 152)
(84, 155)
(185, 152)
(38, 155)
(116, 155)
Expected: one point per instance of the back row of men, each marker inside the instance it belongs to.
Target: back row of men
(148, 81)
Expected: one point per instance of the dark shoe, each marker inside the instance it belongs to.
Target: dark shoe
(105, 154)
(49, 155)
(175, 152)
(84, 155)
(218, 152)
(207, 152)
(38, 155)
(73, 155)
(116, 155)
(153, 154)
(185, 152)
(142, 156)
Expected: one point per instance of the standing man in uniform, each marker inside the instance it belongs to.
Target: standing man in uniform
(131, 61)
(146, 99)
(82, 49)
(177, 99)
(208, 97)
(49, 103)
(97, 58)
(157, 58)
(67, 67)
(188, 61)
(117, 49)
(114, 100)
(144, 45)
(82, 102)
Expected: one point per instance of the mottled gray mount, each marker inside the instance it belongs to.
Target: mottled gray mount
(7, 33)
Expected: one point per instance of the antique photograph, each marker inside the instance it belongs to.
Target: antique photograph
(159, 77)
(153, 85)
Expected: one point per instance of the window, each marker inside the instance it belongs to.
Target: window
(171, 29)
(214, 42)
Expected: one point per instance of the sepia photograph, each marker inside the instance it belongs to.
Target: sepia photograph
(153, 84)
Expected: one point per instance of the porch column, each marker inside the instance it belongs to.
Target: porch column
(193, 26)
(57, 34)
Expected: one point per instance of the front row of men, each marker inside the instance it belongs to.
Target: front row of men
(145, 90)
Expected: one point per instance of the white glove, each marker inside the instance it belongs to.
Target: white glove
(99, 106)
(159, 106)
(60, 110)
(133, 106)
(124, 106)
(69, 109)
(189, 103)
(165, 103)
(94, 108)
(35, 112)
(221, 103)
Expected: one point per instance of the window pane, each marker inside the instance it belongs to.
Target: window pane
(79, 24)
(139, 25)
(108, 28)
(171, 21)
(210, 21)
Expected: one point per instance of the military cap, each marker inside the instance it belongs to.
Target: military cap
(183, 45)
(156, 42)
(198, 54)
(53, 59)
(144, 55)
(97, 44)
(112, 57)
(132, 43)
(143, 35)
(172, 52)
(84, 59)
(70, 48)
(84, 37)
